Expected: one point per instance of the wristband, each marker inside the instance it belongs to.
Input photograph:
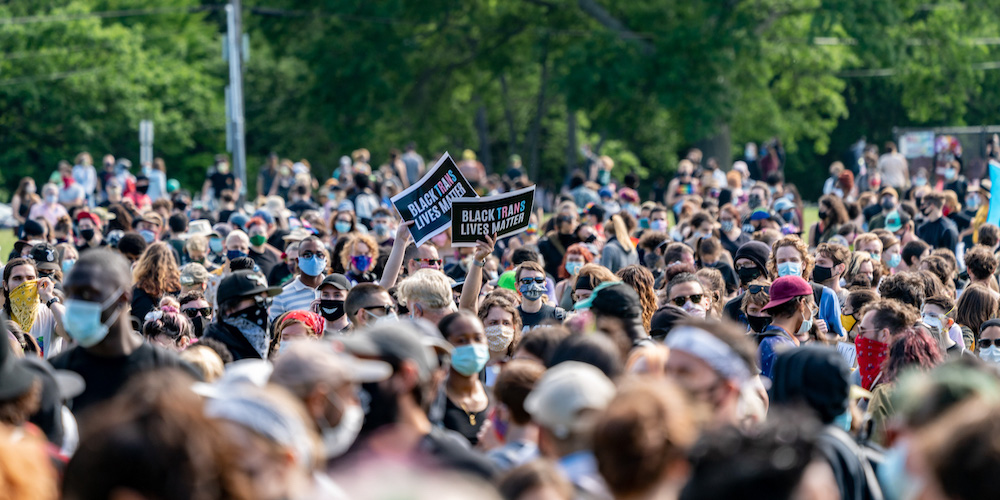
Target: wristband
(51, 301)
(479, 263)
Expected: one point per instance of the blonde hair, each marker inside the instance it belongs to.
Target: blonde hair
(621, 233)
(197, 243)
(205, 360)
(648, 360)
(354, 239)
(429, 287)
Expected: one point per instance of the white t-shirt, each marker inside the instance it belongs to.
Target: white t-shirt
(44, 328)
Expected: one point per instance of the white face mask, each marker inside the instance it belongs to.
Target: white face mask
(336, 440)
(990, 355)
(696, 310)
(934, 324)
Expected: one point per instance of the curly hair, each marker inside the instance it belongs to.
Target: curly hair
(837, 213)
(941, 268)
(836, 252)
(354, 239)
(499, 301)
(641, 280)
(980, 262)
(906, 287)
(791, 241)
(854, 268)
(156, 271)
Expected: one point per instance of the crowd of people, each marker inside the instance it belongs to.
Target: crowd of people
(704, 342)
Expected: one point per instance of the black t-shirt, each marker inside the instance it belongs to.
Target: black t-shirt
(221, 182)
(456, 419)
(265, 260)
(277, 239)
(279, 275)
(106, 376)
(940, 233)
(540, 318)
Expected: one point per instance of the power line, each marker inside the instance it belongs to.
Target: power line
(107, 14)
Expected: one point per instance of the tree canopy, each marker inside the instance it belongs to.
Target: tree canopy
(641, 80)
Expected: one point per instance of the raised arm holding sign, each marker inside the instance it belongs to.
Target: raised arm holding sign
(428, 202)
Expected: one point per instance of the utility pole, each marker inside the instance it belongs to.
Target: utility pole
(235, 127)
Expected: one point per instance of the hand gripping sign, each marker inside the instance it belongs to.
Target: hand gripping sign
(503, 215)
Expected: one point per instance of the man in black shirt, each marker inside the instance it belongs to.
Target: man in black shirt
(530, 279)
(109, 352)
(938, 231)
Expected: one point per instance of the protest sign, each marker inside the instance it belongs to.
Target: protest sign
(428, 202)
(849, 352)
(503, 215)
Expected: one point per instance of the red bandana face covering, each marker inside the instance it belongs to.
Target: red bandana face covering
(871, 355)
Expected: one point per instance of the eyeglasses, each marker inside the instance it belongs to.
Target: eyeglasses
(194, 312)
(759, 288)
(386, 309)
(430, 262)
(680, 301)
(985, 343)
(309, 255)
(527, 281)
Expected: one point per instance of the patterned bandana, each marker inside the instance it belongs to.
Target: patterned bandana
(24, 304)
(252, 324)
(871, 356)
(312, 320)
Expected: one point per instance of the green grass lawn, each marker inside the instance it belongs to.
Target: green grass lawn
(810, 214)
(7, 240)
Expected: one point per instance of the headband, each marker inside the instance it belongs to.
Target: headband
(707, 347)
(583, 283)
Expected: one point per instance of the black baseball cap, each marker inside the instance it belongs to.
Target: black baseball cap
(664, 320)
(613, 298)
(46, 256)
(336, 280)
(244, 284)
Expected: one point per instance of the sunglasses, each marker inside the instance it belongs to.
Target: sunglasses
(528, 281)
(985, 343)
(263, 301)
(430, 262)
(194, 312)
(759, 288)
(680, 301)
(388, 309)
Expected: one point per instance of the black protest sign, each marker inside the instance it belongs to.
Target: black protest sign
(503, 215)
(428, 202)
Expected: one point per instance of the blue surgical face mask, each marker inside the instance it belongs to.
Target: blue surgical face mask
(342, 227)
(895, 260)
(313, 266)
(215, 245)
(67, 265)
(147, 235)
(658, 225)
(789, 269)
(573, 267)
(82, 319)
(470, 359)
(234, 254)
(381, 230)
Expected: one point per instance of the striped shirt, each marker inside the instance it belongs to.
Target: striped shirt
(294, 296)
